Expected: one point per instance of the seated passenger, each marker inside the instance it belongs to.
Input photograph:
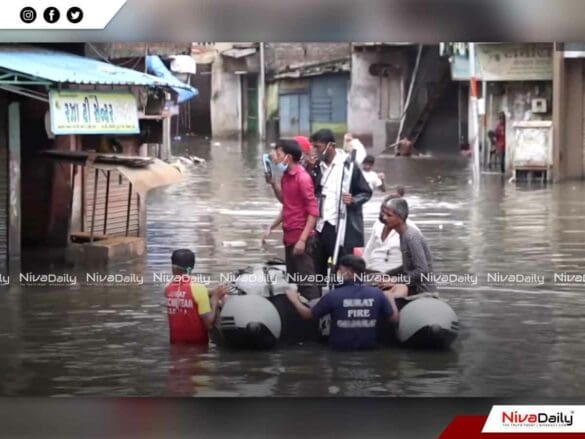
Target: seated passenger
(382, 252)
(417, 264)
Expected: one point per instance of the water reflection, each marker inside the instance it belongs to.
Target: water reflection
(516, 340)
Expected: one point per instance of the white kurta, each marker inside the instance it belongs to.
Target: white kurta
(384, 255)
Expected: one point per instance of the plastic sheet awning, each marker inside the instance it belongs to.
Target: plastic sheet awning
(185, 92)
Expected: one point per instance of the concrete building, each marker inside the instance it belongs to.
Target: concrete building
(306, 97)
(514, 79)
(569, 111)
(381, 76)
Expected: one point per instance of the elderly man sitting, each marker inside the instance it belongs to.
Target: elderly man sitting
(417, 265)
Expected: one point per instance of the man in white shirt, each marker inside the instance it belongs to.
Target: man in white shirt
(331, 171)
(382, 252)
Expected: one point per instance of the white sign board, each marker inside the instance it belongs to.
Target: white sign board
(515, 62)
(93, 112)
(533, 144)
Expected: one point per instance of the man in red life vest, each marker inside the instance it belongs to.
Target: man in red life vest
(191, 313)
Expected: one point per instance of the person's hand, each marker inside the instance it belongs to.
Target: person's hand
(384, 285)
(220, 292)
(269, 179)
(299, 248)
(266, 234)
(347, 199)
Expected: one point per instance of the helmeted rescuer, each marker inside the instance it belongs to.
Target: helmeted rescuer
(190, 310)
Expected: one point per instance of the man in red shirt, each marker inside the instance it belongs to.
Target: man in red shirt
(191, 313)
(298, 216)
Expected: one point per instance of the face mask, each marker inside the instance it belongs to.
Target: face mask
(282, 166)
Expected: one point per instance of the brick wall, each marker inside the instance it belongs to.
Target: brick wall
(131, 50)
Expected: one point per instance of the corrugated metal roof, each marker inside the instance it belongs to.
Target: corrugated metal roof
(66, 68)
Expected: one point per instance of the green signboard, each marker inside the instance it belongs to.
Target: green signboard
(93, 112)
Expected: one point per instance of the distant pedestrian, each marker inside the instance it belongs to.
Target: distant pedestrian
(374, 179)
(500, 136)
(350, 144)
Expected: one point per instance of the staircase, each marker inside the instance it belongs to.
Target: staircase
(418, 127)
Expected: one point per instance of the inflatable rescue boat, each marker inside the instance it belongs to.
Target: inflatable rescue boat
(258, 315)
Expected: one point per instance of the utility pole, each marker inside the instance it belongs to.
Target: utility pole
(474, 131)
(261, 96)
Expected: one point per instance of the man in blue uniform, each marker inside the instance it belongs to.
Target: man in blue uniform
(356, 310)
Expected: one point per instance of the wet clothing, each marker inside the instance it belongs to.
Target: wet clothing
(303, 268)
(298, 202)
(327, 239)
(356, 311)
(187, 303)
(417, 262)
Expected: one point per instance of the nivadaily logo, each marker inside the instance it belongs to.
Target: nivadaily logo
(516, 419)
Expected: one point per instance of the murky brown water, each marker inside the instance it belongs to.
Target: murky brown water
(516, 340)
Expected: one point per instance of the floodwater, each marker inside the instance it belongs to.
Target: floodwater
(517, 338)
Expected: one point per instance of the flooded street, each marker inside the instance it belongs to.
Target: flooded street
(517, 338)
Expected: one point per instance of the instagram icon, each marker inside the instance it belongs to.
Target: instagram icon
(28, 14)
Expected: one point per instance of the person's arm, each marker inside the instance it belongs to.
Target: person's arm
(418, 259)
(276, 188)
(303, 311)
(370, 245)
(207, 307)
(301, 244)
(360, 189)
(277, 221)
(312, 210)
(389, 307)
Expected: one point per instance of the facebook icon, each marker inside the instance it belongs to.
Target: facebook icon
(51, 15)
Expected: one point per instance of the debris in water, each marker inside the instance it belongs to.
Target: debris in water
(440, 226)
(234, 244)
(216, 144)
